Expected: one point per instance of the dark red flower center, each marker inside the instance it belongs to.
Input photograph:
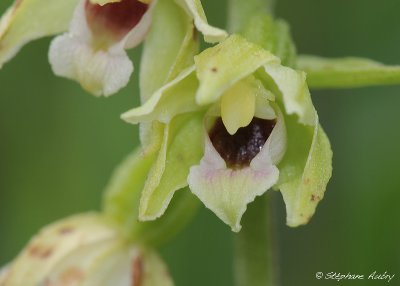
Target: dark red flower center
(114, 19)
(239, 149)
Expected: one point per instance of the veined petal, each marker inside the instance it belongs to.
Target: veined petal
(181, 148)
(101, 72)
(28, 20)
(305, 170)
(195, 9)
(226, 191)
(176, 97)
(346, 72)
(220, 67)
(292, 87)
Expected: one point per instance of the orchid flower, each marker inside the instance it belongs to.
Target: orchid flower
(85, 249)
(97, 33)
(237, 116)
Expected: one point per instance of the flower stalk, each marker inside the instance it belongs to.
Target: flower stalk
(254, 247)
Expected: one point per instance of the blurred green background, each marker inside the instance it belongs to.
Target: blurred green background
(58, 146)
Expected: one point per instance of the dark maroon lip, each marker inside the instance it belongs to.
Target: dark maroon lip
(239, 149)
(114, 19)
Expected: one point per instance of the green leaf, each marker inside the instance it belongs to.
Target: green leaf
(182, 147)
(28, 20)
(346, 72)
(169, 47)
(220, 67)
(304, 171)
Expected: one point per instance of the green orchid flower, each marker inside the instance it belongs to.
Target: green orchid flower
(85, 249)
(97, 33)
(240, 109)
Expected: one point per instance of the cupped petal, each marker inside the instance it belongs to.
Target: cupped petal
(176, 97)
(99, 72)
(227, 192)
(28, 20)
(305, 170)
(220, 67)
(195, 9)
(346, 72)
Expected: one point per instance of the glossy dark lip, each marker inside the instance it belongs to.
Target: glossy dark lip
(239, 149)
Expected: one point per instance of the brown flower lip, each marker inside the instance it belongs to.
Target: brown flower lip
(239, 149)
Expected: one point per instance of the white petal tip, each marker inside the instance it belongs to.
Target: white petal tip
(98, 71)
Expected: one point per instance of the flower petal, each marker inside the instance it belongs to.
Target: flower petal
(292, 87)
(220, 67)
(227, 192)
(28, 20)
(305, 170)
(101, 72)
(176, 97)
(110, 263)
(195, 9)
(181, 148)
(346, 72)
(140, 31)
(51, 245)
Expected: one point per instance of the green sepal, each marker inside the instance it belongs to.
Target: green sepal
(304, 171)
(122, 197)
(176, 97)
(182, 147)
(346, 72)
(169, 47)
(28, 20)
(194, 8)
(220, 67)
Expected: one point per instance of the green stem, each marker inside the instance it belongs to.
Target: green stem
(240, 11)
(255, 263)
